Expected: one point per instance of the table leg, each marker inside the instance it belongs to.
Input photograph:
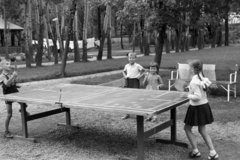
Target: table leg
(68, 120)
(68, 116)
(140, 137)
(24, 120)
(173, 136)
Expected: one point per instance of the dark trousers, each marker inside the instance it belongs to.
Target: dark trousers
(132, 83)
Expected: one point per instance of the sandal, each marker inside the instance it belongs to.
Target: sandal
(8, 134)
(215, 157)
(194, 155)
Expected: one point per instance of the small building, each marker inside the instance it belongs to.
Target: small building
(13, 37)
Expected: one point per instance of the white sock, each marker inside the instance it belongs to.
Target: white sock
(212, 153)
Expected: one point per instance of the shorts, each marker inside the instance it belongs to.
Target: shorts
(132, 83)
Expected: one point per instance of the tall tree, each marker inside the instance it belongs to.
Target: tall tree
(40, 35)
(75, 35)
(70, 18)
(85, 22)
(107, 30)
(27, 31)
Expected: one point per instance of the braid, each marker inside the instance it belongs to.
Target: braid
(199, 77)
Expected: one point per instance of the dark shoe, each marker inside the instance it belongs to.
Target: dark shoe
(148, 119)
(126, 116)
(8, 134)
(194, 155)
(215, 157)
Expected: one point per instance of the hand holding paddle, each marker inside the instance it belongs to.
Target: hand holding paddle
(181, 85)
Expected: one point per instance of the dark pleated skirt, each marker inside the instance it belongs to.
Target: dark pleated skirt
(132, 83)
(199, 115)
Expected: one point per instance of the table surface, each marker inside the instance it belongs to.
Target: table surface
(124, 100)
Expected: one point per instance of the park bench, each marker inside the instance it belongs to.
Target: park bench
(209, 71)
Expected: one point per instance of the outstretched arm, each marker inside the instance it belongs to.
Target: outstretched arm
(145, 81)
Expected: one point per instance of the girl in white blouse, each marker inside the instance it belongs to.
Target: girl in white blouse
(199, 112)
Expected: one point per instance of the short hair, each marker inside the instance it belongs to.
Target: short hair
(132, 53)
(197, 65)
(154, 64)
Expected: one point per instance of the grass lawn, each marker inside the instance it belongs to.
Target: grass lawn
(103, 135)
(221, 56)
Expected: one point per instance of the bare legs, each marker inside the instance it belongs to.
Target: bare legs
(206, 137)
(9, 116)
(193, 141)
(191, 137)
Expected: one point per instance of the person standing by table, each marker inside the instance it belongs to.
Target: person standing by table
(153, 81)
(199, 112)
(132, 73)
(8, 82)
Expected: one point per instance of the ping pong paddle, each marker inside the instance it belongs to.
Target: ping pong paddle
(180, 85)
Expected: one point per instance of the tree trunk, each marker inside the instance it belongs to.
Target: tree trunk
(122, 36)
(30, 32)
(146, 45)
(47, 38)
(214, 31)
(109, 43)
(69, 32)
(146, 38)
(168, 40)
(156, 34)
(194, 38)
(62, 25)
(26, 31)
(134, 33)
(115, 25)
(100, 51)
(84, 57)
(159, 48)
(40, 35)
(76, 46)
(186, 40)
(172, 41)
(199, 39)
(226, 32)
(140, 41)
(55, 50)
(99, 22)
(58, 33)
(5, 33)
(54, 39)
(182, 40)
(177, 37)
(219, 43)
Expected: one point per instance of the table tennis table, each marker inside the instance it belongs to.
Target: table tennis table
(139, 102)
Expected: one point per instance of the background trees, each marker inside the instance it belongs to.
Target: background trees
(167, 24)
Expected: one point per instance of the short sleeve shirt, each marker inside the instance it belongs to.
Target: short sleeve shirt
(153, 81)
(133, 71)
